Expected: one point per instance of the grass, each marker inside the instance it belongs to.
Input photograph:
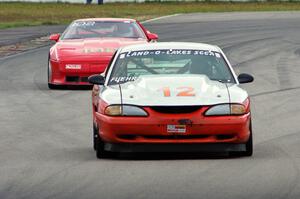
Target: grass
(30, 14)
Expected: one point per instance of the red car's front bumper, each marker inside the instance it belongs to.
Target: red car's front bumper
(153, 129)
(61, 75)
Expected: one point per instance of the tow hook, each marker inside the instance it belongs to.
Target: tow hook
(185, 122)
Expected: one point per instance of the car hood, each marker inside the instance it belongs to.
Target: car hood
(183, 89)
(92, 47)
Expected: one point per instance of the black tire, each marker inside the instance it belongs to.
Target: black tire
(95, 136)
(51, 86)
(99, 147)
(249, 147)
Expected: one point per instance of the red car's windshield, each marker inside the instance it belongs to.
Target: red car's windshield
(98, 29)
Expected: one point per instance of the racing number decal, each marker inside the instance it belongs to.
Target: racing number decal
(185, 91)
(167, 92)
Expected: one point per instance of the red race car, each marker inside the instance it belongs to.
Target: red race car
(87, 45)
(171, 96)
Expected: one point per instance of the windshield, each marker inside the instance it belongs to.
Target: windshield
(131, 65)
(96, 29)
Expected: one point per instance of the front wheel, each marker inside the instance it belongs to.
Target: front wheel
(249, 147)
(52, 86)
(98, 145)
(49, 74)
(95, 137)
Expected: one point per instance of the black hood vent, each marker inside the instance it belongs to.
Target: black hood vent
(175, 109)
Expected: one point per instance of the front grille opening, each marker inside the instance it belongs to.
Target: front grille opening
(76, 79)
(176, 136)
(127, 137)
(164, 137)
(224, 137)
(72, 78)
(175, 109)
(84, 79)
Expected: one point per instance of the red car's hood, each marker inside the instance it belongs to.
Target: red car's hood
(92, 47)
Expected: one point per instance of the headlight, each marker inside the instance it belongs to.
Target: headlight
(113, 110)
(226, 109)
(125, 110)
(237, 109)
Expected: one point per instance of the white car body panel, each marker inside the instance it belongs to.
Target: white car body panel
(148, 90)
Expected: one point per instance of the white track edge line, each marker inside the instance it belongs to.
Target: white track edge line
(162, 17)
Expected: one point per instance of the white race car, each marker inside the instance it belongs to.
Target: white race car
(171, 96)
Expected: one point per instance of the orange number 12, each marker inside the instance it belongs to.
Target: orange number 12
(185, 91)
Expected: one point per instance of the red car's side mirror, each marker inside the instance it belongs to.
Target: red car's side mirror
(152, 36)
(54, 37)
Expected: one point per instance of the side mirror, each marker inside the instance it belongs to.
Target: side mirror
(54, 37)
(152, 36)
(96, 79)
(245, 78)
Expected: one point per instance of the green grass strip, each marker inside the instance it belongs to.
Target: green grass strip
(32, 14)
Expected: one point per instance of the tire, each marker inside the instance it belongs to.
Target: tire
(52, 86)
(99, 147)
(49, 74)
(249, 147)
(95, 136)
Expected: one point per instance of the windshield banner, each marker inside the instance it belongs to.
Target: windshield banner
(170, 52)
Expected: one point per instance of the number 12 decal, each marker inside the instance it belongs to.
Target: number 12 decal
(185, 91)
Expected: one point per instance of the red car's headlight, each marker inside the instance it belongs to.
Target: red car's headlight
(125, 110)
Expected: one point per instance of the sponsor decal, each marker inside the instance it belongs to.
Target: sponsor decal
(122, 56)
(176, 128)
(73, 66)
(122, 79)
(170, 52)
(99, 50)
(89, 23)
(83, 23)
(137, 53)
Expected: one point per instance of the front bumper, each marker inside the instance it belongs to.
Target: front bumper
(60, 75)
(153, 129)
(211, 147)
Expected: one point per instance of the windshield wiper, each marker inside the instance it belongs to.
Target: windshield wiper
(143, 66)
(222, 80)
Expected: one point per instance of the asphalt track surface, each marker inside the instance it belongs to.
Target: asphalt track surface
(16, 35)
(45, 135)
